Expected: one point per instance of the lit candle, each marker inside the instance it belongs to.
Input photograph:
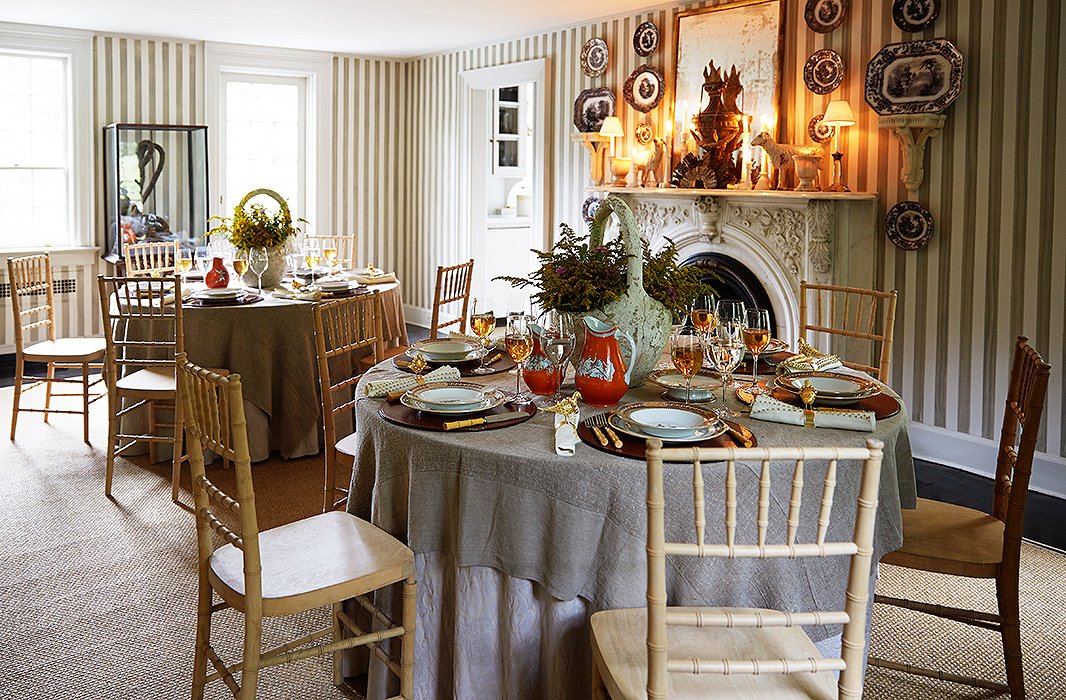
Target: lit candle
(745, 155)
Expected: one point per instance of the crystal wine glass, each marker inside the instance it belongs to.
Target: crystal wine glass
(183, 264)
(756, 338)
(483, 323)
(258, 261)
(726, 350)
(519, 343)
(730, 312)
(240, 264)
(202, 256)
(686, 351)
(558, 342)
(703, 315)
(312, 256)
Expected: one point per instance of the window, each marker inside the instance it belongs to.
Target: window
(45, 200)
(264, 136)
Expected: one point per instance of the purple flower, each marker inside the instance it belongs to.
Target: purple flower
(560, 270)
(600, 249)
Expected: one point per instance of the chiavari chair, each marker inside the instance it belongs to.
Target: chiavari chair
(343, 244)
(453, 286)
(319, 561)
(949, 539)
(851, 312)
(153, 259)
(33, 308)
(762, 653)
(345, 330)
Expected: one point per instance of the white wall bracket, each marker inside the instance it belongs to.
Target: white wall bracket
(913, 131)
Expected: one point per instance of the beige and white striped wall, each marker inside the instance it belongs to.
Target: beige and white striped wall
(994, 183)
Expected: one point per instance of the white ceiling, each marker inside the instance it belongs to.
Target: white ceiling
(401, 28)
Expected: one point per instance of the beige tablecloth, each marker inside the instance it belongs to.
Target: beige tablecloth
(573, 529)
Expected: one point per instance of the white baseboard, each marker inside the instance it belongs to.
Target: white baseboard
(978, 456)
(417, 316)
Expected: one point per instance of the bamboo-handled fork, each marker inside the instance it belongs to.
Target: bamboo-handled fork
(599, 423)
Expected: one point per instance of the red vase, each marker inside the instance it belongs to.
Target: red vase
(218, 275)
(540, 373)
(602, 377)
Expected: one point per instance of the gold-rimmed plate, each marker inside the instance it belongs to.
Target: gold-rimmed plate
(668, 420)
(493, 398)
(449, 395)
(834, 388)
(446, 349)
(622, 426)
(775, 345)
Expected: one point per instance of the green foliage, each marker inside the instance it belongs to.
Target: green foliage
(574, 277)
(255, 227)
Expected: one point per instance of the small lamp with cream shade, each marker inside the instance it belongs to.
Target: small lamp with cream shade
(612, 128)
(838, 115)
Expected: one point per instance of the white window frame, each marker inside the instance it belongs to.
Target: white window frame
(76, 47)
(314, 66)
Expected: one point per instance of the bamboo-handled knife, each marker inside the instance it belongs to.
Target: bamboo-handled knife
(742, 434)
(470, 422)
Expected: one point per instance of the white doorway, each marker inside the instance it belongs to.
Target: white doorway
(506, 174)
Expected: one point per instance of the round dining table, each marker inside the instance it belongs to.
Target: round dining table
(516, 546)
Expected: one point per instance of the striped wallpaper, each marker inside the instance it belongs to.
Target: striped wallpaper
(994, 267)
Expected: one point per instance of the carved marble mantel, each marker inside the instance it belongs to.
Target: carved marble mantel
(781, 236)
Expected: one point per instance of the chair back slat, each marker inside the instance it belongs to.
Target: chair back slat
(698, 499)
(344, 244)
(213, 412)
(859, 548)
(152, 259)
(865, 315)
(142, 321)
(30, 277)
(453, 286)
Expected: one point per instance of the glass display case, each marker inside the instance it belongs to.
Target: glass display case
(155, 185)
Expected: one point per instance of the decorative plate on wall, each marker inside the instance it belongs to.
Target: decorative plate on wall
(909, 225)
(914, 77)
(588, 209)
(646, 38)
(824, 16)
(819, 132)
(823, 72)
(644, 88)
(591, 107)
(594, 55)
(644, 133)
(915, 15)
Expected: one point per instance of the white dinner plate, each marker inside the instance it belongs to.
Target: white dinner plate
(449, 395)
(223, 294)
(703, 383)
(619, 424)
(446, 349)
(492, 399)
(829, 384)
(667, 420)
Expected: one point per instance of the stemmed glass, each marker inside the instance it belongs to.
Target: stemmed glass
(726, 350)
(686, 350)
(483, 323)
(703, 315)
(730, 312)
(258, 261)
(240, 264)
(756, 338)
(202, 256)
(183, 263)
(311, 256)
(519, 343)
(329, 252)
(558, 342)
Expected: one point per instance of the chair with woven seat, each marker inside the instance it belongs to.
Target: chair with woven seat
(30, 278)
(315, 562)
(950, 539)
(143, 330)
(152, 259)
(344, 329)
(853, 313)
(682, 652)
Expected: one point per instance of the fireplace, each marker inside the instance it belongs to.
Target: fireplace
(731, 279)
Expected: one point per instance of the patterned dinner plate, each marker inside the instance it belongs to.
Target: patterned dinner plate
(493, 398)
(644, 88)
(824, 16)
(823, 72)
(818, 131)
(915, 15)
(914, 77)
(449, 395)
(623, 426)
(909, 225)
(669, 420)
(646, 38)
(594, 57)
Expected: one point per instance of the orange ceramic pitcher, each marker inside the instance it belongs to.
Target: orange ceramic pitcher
(602, 377)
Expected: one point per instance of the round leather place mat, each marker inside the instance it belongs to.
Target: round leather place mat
(396, 412)
(354, 292)
(767, 364)
(466, 369)
(882, 405)
(240, 301)
(634, 448)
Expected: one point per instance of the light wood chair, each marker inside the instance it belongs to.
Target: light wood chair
(153, 259)
(660, 651)
(319, 561)
(343, 328)
(453, 285)
(343, 244)
(33, 307)
(852, 312)
(950, 539)
(143, 327)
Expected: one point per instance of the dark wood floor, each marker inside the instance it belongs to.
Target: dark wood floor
(1043, 518)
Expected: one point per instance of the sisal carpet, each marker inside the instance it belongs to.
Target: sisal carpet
(97, 596)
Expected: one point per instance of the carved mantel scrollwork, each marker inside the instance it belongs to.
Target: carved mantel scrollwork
(819, 232)
(708, 211)
(653, 217)
(782, 228)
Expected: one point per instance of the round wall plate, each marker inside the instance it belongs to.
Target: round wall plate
(644, 133)
(823, 72)
(646, 38)
(824, 16)
(588, 209)
(909, 225)
(644, 88)
(594, 57)
(915, 15)
(819, 132)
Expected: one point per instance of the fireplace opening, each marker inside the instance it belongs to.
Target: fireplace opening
(734, 281)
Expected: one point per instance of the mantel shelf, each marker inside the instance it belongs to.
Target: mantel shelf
(752, 195)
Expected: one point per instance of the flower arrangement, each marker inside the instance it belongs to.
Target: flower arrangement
(254, 226)
(576, 277)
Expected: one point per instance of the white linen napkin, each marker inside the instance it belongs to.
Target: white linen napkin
(800, 363)
(767, 408)
(382, 387)
(375, 279)
(566, 438)
(286, 293)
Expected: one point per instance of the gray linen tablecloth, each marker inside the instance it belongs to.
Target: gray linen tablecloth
(504, 499)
